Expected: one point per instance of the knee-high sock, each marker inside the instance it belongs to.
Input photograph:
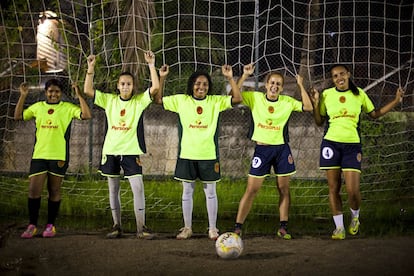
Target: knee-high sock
(212, 203)
(137, 186)
(115, 199)
(52, 211)
(187, 203)
(33, 204)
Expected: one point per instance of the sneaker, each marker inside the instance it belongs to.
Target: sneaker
(30, 232)
(282, 233)
(213, 233)
(338, 234)
(354, 226)
(146, 234)
(50, 231)
(185, 233)
(115, 233)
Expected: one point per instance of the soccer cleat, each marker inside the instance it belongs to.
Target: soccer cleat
(213, 233)
(145, 234)
(338, 234)
(354, 226)
(30, 232)
(115, 233)
(50, 231)
(185, 233)
(282, 233)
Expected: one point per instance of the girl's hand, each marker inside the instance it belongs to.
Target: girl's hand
(227, 71)
(24, 88)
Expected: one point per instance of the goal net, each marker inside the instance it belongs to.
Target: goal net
(42, 39)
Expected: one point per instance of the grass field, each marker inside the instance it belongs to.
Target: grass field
(85, 206)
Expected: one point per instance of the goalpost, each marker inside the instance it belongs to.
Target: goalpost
(374, 38)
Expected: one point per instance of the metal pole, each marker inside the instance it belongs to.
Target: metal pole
(256, 28)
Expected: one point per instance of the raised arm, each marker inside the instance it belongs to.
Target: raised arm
(319, 120)
(307, 104)
(399, 94)
(235, 91)
(155, 83)
(18, 111)
(164, 71)
(247, 71)
(86, 112)
(88, 85)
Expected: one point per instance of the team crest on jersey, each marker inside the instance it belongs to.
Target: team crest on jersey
(217, 167)
(290, 159)
(199, 110)
(49, 122)
(123, 112)
(342, 99)
(50, 111)
(60, 163)
(271, 109)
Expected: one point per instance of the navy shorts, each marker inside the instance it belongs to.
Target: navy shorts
(345, 156)
(205, 170)
(55, 167)
(266, 156)
(111, 165)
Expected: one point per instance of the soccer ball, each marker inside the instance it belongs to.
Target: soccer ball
(229, 245)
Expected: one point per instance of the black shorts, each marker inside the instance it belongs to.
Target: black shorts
(111, 165)
(55, 167)
(345, 156)
(205, 170)
(277, 156)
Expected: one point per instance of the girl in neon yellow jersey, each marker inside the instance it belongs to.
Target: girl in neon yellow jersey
(341, 151)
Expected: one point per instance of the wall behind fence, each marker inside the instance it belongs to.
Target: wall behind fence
(161, 138)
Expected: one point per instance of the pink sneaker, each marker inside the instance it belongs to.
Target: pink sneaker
(50, 231)
(30, 232)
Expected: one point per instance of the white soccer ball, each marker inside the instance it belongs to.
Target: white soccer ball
(229, 245)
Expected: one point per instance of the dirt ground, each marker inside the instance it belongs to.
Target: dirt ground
(89, 253)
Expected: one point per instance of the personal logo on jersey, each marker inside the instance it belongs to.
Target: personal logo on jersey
(60, 163)
(256, 162)
(50, 111)
(269, 122)
(342, 99)
(199, 110)
(359, 157)
(271, 109)
(217, 167)
(122, 112)
(327, 153)
(290, 159)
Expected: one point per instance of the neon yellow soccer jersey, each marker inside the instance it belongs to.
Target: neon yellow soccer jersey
(198, 124)
(270, 118)
(53, 126)
(343, 110)
(124, 135)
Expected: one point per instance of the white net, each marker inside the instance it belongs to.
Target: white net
(44, 39)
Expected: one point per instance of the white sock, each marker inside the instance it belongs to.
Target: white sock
(137, 187)
(115, 199)
(187, 202)
(355, 213)
(339, 221)
(212, 203)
